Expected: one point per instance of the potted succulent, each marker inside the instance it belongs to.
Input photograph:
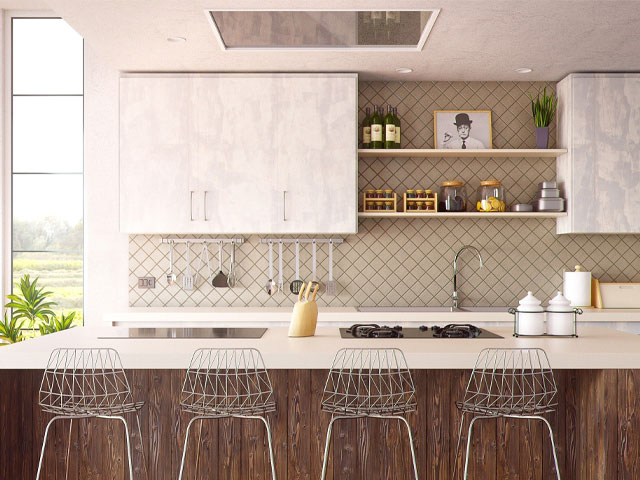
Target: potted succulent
(543, 108)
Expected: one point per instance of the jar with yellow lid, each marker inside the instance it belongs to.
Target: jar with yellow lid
(370, 194)
(491, 197)
(388, 206)
(411, 194)
(420, 194)
(388, 193)
(379, 193)
(453, 197)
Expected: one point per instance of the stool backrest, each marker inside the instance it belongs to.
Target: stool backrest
(369, 379)
(226, 378)
(84, 378)
(512, 380)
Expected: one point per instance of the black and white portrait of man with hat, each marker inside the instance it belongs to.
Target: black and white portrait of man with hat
(454, 130)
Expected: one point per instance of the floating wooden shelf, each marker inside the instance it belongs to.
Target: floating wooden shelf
(490, 215)
(459, 153)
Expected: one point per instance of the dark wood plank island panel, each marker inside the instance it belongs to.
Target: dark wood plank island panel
(597, 427)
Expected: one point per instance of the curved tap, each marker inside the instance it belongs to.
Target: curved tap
(454, 307)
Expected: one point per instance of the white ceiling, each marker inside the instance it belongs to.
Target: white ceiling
(471, 40)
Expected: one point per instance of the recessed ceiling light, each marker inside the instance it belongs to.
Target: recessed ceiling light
(176, 39)
(404, 70)
(524, 70)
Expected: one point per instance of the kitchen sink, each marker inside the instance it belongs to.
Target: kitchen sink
(432, 309)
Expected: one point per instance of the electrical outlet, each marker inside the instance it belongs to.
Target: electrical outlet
(146, 282)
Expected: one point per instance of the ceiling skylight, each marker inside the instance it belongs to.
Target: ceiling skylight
(322, 29)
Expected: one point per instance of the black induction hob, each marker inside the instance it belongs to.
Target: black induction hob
(372, 330)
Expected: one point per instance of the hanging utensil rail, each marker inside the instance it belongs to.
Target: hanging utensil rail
(335, 241)
(237, 241)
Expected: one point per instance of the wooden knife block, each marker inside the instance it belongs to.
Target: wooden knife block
(304, 318)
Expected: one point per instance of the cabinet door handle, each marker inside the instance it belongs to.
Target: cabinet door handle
(284, 205)
(205, 206)
(191, 192)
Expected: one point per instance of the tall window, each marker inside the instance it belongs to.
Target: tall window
(47, 157)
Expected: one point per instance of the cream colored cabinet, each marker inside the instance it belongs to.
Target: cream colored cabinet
(154, 155)
(265, 153)
(599, 124)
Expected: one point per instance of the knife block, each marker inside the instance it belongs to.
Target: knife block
(304, 317)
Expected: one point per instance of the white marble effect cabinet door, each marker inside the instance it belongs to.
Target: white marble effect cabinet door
(154, 155)
(599, 123)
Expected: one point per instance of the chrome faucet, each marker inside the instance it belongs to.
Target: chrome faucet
(454, 307)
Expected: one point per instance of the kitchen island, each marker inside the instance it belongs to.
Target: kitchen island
(597, 424)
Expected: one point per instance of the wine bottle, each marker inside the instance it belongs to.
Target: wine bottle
(376, 129)
(389, 129)
(366, 129)
(397, 120)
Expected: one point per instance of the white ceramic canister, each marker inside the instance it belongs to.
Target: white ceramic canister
(530, 316)
(577, 287)
(560, 316)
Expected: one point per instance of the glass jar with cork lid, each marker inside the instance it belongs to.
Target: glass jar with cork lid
(453, 197)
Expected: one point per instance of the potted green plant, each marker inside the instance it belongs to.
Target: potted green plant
(543, 108)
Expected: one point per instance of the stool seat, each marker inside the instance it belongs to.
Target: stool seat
(90, 411)
(504, 411)
(205, 410)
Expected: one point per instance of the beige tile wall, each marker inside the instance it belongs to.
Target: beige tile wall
(408, 261)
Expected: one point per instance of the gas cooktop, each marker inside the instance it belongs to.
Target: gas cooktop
(372, 330)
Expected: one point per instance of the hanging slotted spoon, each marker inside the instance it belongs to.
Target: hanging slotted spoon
(171, 277)
(314, 264)
(187, 278)
(297, 284)
(220, 280)
(231, 276)
(271, 285)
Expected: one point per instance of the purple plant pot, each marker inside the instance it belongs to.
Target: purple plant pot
(542, 137)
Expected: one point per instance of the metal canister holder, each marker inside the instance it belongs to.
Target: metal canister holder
(516, 325)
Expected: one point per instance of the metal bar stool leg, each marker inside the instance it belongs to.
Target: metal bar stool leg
(413, 450)
(44, 443)
(455, 459)
(266, 424)
(553, 443)
(186, 441)
(466, 460)
(326, 447)
(126, 432)
(144, 458)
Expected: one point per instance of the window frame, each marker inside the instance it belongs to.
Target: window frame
(6, 124)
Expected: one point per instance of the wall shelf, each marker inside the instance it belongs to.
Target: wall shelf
(459, 153)
(489, 215)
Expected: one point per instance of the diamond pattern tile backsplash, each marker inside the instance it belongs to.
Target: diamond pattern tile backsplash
(408, 262)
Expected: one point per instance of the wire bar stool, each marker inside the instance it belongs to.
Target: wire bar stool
(223, 383)
(509, 383)
(87, 383)
(369, 382)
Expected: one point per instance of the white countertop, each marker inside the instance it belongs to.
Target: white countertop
(267, 317)
(597, 348)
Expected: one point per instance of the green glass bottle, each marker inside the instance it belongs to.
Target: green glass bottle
(376, 129)
(366, 129)
(397, 119)
(389, 129)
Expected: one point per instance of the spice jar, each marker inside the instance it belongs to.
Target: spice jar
(388, 194)
(379, 206)
(429, 205)
(388, 205)
(411, 206)
(453, 196)
(411, 194)
(371, 194)
(420, 205)
(491, 197)
(420, 194)
(379, 194)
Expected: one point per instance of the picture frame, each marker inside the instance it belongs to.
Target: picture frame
(449, 129)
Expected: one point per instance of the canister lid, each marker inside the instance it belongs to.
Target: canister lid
(530, 304)
(559, 303)
(452, 183)
(490, 183)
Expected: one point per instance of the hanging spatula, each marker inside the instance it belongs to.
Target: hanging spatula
(187, 278)
(331, 286)
(314, 264)
(220, 280)
(297, 284)
(271, 284)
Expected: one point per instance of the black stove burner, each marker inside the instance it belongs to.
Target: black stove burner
(372, 330)
(456, 330)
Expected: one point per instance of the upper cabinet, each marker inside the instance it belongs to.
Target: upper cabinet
(599, 124)
(263, 153)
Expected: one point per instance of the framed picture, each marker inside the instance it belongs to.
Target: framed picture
(462, 129)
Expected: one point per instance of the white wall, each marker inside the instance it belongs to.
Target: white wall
(105, 248)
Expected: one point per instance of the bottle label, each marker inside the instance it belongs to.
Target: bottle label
(397, 134)
(390, 133)
(376, 132)
(366, 134)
